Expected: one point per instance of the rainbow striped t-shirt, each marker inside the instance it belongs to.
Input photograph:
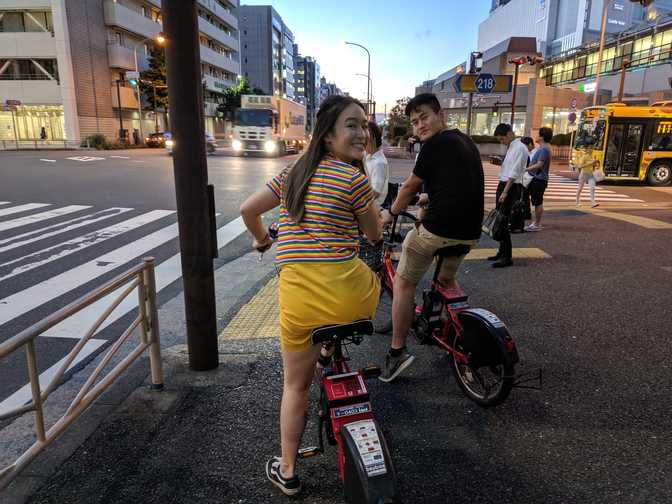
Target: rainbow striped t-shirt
(328, 232)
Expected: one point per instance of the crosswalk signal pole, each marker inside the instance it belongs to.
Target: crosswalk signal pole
(180, 24)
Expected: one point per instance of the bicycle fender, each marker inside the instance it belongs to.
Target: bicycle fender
(494, 326)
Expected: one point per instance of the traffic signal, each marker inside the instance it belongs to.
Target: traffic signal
(476, 63)
(644, 3)
(133, 82)
(534, 60)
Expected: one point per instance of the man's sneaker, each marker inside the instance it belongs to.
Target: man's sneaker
(289, 486)
(533, 227)
(394, 366)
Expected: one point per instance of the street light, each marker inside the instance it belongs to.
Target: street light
(368, 72)
(369, 85)
(159, 39)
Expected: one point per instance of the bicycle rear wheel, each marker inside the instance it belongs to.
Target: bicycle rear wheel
(487, 375)
(368, 473)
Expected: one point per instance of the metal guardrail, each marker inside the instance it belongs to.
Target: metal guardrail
(140, 277)
(37, 144)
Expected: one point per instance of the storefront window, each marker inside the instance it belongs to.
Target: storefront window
(555, 118)
(27, 122)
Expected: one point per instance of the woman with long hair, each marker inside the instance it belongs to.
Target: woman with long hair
(324, 198)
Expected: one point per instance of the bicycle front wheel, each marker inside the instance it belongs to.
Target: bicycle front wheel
(486, 374)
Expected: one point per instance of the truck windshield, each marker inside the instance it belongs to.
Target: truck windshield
(590, 133)
(254, 117)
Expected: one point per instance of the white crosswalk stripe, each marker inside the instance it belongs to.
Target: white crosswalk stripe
(564, 189)
(49, 214)
(50, 236)
(41, 257)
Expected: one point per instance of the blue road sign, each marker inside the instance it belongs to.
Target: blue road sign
(485, 83)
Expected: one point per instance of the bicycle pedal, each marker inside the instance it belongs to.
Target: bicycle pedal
(309, 451)
(371, 371)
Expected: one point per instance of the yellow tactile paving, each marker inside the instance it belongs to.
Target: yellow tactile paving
(637, 220)
(258, 318)
(518, 253)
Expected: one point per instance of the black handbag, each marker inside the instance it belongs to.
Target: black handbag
(518, 209)
(495, 225)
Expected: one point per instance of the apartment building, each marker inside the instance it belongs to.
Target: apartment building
(307, 86)
(267, 50)
(562, 25)
(65, 61)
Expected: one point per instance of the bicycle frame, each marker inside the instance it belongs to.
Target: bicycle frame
(454, 299)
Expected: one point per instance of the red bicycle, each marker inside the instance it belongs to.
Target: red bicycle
(345, 415)
(482, 352)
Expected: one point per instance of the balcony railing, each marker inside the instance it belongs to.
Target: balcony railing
(120, 57)
(128, 19)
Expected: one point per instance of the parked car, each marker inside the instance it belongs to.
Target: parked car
(156, 139)
(210, 143)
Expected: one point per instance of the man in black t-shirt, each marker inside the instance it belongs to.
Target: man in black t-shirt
(449, 166)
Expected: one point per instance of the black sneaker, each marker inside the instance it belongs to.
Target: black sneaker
(496, 257)
(395, 365)
(289, 486)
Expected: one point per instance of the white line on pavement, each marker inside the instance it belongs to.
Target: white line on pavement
(63, 227)
(48, 160)
(21, 208)
(49, 214)
(41, 257)
(166, 273)
(24, 394)
(5, 202)
(120, 157)
(28, 299)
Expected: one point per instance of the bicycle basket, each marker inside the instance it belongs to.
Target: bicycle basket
(372, 255)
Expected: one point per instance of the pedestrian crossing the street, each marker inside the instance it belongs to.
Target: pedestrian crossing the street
(564, 189)
(48, 251)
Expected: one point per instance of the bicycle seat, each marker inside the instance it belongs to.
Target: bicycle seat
(336, 332)
(453, 251)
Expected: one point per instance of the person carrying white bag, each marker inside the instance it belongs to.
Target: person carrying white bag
(589, 171)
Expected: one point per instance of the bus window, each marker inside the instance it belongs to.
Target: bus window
(590, 133)
(662, 137)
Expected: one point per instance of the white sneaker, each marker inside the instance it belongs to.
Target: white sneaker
(533, 227)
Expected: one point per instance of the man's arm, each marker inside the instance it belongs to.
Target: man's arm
(406, 194)
(519, 163)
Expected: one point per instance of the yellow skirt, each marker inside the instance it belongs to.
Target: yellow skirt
(313, 295)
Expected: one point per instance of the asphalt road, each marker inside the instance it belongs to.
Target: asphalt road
(72, 220)
(593, 314)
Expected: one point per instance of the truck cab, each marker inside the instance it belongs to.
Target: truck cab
(268, 125)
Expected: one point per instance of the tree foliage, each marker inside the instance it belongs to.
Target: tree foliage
(155, 76)
(231, 98)
(398, 123)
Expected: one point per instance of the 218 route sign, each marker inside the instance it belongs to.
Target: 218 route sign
(483, 83)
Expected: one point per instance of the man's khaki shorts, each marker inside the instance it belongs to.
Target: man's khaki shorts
(418, 253)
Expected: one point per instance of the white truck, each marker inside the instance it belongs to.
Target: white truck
(269, 125)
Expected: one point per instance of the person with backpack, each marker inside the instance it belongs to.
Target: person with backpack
(509, 188)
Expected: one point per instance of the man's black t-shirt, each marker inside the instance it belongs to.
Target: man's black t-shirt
(450, 165)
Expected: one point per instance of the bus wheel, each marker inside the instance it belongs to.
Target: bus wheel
(660, 174)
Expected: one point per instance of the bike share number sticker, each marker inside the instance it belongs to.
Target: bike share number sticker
(352, 409)
(366, 438)
(489, 316)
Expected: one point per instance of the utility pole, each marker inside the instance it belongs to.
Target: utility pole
(474, 67)
(517, 62)
(180, 23)
(624, 67)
